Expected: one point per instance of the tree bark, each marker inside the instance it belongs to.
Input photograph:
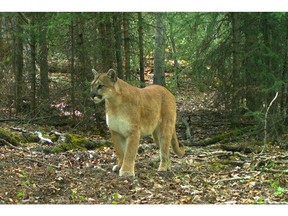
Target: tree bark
(104, 27)
(159, 53)
(33, 66)
(141, 49)
(236, 68)
(253, 98)
(83, 63)
(174, 52)
(118, 42)
(127, 50)
(72, 62)
(284, 98)
(44, 81)
(18, 65)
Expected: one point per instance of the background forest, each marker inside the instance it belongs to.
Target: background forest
(46, 60)
(228, 71)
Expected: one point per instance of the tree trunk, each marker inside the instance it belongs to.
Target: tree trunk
(236, 68)
(141, 49)
(284, 98)
(18, 65)
(1, 40)
(105, 30)
(72, 61)
(83, 63)
(109, 41)
(127, 50)
(159, 53)
(33, 67)
(174, 52)
(44, 81)
(118, 42)
(253, 97)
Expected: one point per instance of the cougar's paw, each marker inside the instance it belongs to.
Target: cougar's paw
(163, 168)
(116, 168)
(126, 173)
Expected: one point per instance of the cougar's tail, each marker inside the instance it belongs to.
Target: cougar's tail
(180, 151)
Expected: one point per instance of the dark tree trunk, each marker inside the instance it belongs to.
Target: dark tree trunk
(83, 63)
(33, 66)
(118, 42)
(284, 98)
(105, 30)
(72, 62)
(18, 65)
(44, 81)
(174, 52)
(109, 41)
(127, 45)
(1, 40)
(141, 49)
(159, 53)
(236, 68)
(253, 99)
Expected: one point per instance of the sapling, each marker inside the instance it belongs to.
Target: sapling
(265, 122)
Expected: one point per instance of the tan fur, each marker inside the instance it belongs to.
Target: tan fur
(132, 113)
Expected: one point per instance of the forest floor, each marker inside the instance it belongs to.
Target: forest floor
(205, 175)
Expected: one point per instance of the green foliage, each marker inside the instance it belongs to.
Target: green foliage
(260, 200)
(279, 191)
(277, 86)
(117, 199)
(75, 197)
(20, 194)
(257, 115)
(218, 167)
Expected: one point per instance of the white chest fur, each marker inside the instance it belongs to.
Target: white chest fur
(117, 124)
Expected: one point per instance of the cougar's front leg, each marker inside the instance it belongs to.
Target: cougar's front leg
(128, 164)
(119, 145)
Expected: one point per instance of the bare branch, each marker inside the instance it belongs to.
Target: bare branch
(265, 125)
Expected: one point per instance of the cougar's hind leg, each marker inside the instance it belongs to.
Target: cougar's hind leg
(156, 138)
(119, 143)
(165, 137)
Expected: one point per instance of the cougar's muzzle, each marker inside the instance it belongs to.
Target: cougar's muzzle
(96, 97)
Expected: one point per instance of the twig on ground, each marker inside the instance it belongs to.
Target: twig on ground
(29, 159)
(12, 146)
(41, 162)
(236, 178)
(276, 171)
(265, 122)
(232, 179)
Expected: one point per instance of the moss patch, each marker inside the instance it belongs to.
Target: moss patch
(10, 137)
(75, 142)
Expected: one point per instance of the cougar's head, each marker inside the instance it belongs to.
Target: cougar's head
(103, 85)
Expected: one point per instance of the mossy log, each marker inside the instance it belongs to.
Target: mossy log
(221, 138)
(67, 142)
(15, 138)
(76, 141)
(8, 136)
(242, 147)
(209, 141)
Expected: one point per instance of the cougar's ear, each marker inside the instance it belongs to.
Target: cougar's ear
(112, 75)
(94, 72)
